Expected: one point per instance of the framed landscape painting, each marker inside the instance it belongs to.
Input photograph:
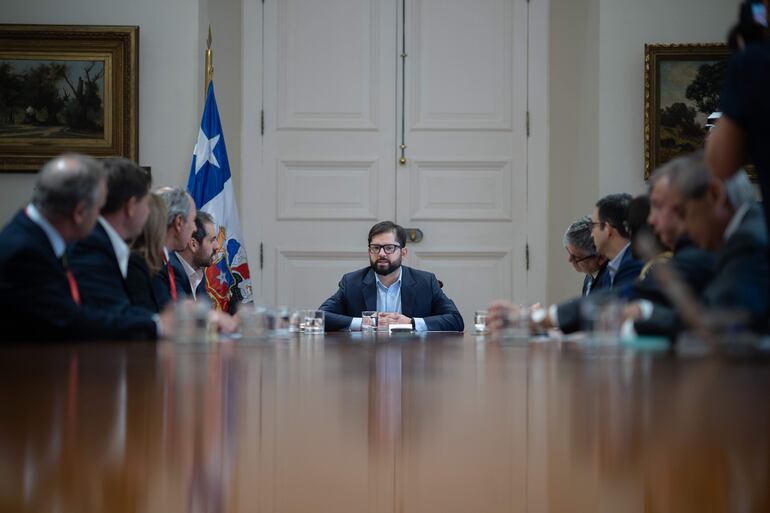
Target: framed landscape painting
(67, 88)
(682, 84)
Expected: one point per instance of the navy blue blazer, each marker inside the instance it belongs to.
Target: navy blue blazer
(96, 270)
(568, 312)
(421, 297)
(35, 299)
(139, 283)
(162, 286)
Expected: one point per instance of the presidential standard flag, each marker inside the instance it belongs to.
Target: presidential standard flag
(210, 185)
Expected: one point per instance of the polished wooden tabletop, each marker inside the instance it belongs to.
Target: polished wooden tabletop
(346, 423)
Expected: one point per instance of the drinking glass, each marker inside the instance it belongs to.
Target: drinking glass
(312, 321)
(516, 323)
(369, 320)
(480, 321)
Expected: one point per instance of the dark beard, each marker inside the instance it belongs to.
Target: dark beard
(384, 271)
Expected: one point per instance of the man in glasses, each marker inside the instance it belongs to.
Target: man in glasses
(581, 253)
(401, 294)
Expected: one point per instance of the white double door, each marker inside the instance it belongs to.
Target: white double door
(333, 87)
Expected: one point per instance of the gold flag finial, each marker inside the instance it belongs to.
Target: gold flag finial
(209, 66)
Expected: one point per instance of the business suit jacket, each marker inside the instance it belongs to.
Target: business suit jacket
(568, 312)
(421, 297)
(739, 281)
(597, 283)
(139, 283)
(161, 284)
(35, 299)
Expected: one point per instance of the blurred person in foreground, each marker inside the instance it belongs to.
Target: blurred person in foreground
(722, 218)
(39, 295)
(742, 133)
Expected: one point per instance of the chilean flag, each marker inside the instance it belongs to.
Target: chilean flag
(211, 186)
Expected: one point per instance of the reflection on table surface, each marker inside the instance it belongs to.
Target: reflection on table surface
(349, 423)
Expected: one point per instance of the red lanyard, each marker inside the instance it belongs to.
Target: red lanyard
(74, 292)
(171, 279)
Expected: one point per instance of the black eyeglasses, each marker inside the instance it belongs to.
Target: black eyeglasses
(389, 249)
(577, 260)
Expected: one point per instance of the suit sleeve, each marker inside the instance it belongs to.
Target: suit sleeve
(444, 315)
(336, 318)
(43, 309)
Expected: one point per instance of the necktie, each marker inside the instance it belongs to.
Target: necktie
(74, 292)
(171, 279)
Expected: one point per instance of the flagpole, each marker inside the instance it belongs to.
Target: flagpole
(208, 66)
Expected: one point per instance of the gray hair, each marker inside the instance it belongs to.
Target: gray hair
(177, 203)
(739, 190)
(579, 235)
(690, 175)
(65, 181)
(692, 178)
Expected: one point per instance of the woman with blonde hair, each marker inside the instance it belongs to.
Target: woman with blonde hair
(147, 257)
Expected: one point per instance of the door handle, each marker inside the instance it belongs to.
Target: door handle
(414, 234)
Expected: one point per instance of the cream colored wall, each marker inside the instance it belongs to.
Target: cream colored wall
(170, 76)
(596, 101)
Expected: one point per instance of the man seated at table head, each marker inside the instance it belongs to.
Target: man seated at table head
(581, 253)
(171, 282)
(39, 295)
(100, 261)
(197, 255)
(402, 295)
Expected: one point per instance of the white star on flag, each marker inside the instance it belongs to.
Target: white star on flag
(222, 278)
(204, 150)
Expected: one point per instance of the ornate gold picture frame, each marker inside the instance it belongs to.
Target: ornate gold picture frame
(67, 88)
(682, 84)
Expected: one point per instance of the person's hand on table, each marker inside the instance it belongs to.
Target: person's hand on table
(388, 318)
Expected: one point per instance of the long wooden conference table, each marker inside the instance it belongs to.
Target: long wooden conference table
(352, 423)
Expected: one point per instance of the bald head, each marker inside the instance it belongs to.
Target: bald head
(66, 182)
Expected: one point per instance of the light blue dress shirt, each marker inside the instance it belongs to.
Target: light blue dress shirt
(389, 300)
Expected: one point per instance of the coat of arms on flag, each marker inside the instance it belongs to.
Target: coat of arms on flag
(211, 186)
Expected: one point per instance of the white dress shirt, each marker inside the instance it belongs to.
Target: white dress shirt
(118, 245)
(195, 277)
(56, 240)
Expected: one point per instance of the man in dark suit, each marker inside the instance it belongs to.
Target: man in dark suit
(401, 294)
(724, 218)
(169, 283)
(694, 265)
(100, 261)
(39, 295)
(197, 256)
(581, 253)
(609, 231)
(610, 235)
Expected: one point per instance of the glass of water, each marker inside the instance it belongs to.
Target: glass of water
(369, 320)
(516, 323)
(480, 321)
(312, 321)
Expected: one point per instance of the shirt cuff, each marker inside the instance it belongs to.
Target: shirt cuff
(158, 329)
(646, 307)
(419, 324)
(355, 324)
(553, 313)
